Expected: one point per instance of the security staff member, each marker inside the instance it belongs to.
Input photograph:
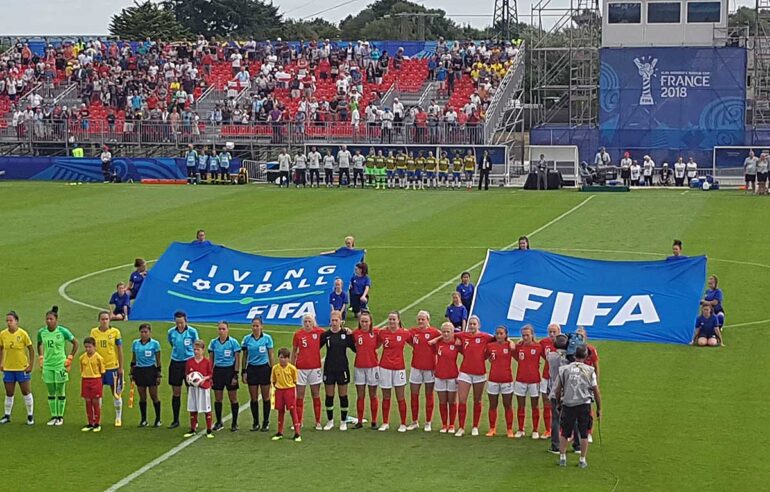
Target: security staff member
(576, 388)
(485, 167)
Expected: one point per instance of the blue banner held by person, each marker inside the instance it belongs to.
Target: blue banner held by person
(641, 301)
(212, 283)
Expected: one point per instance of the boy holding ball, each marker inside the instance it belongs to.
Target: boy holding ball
(199, 391)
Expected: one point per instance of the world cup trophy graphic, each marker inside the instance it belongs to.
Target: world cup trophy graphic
(646, 71)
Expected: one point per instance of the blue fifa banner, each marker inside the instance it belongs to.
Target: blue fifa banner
(639, 301)
(672, 98)
(212, 283)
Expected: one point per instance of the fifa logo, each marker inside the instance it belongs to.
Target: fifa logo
(646, 71)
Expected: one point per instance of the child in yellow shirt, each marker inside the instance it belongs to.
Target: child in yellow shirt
(92, 370)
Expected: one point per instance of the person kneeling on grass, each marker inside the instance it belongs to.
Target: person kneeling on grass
(576, 388)
(199, 396)
(92, 371)
(120, 303)
(283, 377)
(707, 331)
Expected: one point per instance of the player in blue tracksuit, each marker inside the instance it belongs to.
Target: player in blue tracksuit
(713, 297)
(465, 288)
(225, 355)
(707, 332)
(191, 160)
(224, 165)
(214, 164)
(203, 164)
(338, 299)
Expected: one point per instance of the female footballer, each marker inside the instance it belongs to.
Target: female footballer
(225, 355)
(146, 372)
(336, 371)
(528, 354)
(446, 377)
(473, 373)
(258, 363)
(16, 359)
(422, 368)
(500, 355)
(109, 345)
(365, 368)
(306, 356)
(393, 368)
(54, 363)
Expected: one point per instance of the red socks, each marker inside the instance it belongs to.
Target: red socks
(443, 410)
(360, 408)
(429, 405)
(452, 413)
(462, 411)
(547, 414)
(535, 418)
(208, 421)
(492, 418)
(374, 406)
(300, 407)
(521, 412)
(317, 408)
(295, 420)
(194, 421)
(281, 414)
(402, 411)
(509, 418)
(476, 413)
(90, 412)
(415, 400)
(385, 411)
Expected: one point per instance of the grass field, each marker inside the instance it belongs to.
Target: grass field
(675, 417)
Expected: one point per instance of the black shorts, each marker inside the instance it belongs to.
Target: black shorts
(750, 178)
(223, 378)
(258, 375)
(580, 415)
(146, 376)
(762, 178)
(337, 377)
(176, 372)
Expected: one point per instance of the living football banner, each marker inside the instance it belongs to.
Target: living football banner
(213, 283)
(640, 301)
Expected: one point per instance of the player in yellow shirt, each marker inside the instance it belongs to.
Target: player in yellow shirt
(109, 345)
(469, 165)
(401, 168)
(457, 169)
(443, 169)
(92, 369)
(284, 379)
(430, 169)
(419, 171)
(16, 359)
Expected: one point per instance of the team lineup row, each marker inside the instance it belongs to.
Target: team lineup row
(379, 364)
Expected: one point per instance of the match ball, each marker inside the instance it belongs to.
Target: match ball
(194, 379)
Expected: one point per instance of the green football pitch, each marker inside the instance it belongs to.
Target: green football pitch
(675, 417)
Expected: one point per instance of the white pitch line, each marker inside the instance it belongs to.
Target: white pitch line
(478, 264)
(166, 456)
(685, 192)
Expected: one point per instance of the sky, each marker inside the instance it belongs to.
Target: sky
(32, 17)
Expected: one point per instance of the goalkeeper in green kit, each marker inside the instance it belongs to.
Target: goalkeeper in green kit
(54, 362)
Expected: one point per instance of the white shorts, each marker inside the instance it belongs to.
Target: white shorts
(309, 376)
(198, 400)
(544, 386)
(390, 378)
(420, 376)
(472, 378)
(449, 385)
(499, 388)
(369, 376)
(524, 389)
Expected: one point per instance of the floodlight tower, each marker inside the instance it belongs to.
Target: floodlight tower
(505, 20)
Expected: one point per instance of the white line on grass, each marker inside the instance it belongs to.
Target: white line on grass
(478, 264)
(165, 456)
(685, 192)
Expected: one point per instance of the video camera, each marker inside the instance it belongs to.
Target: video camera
(574, 340)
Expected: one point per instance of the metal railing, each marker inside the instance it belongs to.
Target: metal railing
(505, 91)
(280, 133)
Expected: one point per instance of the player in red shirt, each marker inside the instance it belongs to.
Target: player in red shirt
(593, 361)
(500, 355)
(421, 371)
(306, 356)
(392, 368)
(446, 376)
(528, 353)
(473, 373)
(366, 367)
(199, 397)
(547, 344)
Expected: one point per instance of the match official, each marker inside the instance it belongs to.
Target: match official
(576, 388)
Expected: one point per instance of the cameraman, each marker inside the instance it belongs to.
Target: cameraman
(555, 359)
(576, 388)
